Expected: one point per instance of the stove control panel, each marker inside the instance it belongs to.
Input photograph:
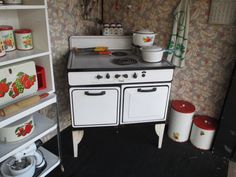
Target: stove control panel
(116, 77)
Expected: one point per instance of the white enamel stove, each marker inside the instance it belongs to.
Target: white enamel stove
(117, 89)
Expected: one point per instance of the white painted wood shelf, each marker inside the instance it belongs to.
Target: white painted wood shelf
(52, 161)
(43, 126)
(44, 102)
(19, 56)
(24, 7)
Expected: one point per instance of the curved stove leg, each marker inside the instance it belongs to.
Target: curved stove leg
(77, 136)
(160, 128)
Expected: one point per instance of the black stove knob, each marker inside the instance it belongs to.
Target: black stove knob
(117, 76)
(143, 75)
(135, 76)
(99, 77)
(108, 76)
(125, 75)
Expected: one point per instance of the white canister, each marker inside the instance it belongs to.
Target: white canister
(203, 131)
(106, 29)
(24, 39)
(2, 49)
(143, 38)
(18, 130)
(180, 121)
(8, 38)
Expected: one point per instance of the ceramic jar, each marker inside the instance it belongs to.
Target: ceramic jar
(2, 49)
(143, 38)
(8, 38)
(24, 39)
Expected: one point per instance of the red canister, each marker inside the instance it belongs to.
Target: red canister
(24, 39)
(203, 131)
(8, 38)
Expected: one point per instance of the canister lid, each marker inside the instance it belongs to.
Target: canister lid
(23, 31)
(153, 48)
(183, 106)
(144, 31)
(4, 27)
(205, 122)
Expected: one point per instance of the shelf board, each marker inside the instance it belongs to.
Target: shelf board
(52, 161)
(44, 102)
(25, 7)
(17, 56)
(43, 126)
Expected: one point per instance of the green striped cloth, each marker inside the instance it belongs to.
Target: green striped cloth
(179, 38)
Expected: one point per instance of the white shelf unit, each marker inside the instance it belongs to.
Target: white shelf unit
(32, 15)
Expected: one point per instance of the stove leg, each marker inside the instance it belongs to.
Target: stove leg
(77, 136)
(160, 128)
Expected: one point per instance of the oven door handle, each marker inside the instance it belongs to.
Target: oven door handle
(95, 94)
(149, 90)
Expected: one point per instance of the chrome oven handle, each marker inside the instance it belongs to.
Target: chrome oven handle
(95, 94)
(150, 90)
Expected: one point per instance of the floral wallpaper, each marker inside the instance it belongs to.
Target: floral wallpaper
(211, 48)
(65, 19)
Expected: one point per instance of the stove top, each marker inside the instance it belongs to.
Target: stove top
(119, 60)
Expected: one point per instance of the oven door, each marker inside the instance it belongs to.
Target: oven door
(94, 106)
(144, 103)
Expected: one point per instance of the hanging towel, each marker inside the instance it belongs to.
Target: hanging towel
(179, 38)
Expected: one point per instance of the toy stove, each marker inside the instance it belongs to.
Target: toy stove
(116, 88)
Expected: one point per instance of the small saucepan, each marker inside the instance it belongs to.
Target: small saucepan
(152, 53)
(143, 38)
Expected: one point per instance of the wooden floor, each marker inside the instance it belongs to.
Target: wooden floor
(132, 152)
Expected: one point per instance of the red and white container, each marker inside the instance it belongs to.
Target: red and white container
(203, 131)
(2, 49)
(24, 39)
(180, 122)
(8, 38)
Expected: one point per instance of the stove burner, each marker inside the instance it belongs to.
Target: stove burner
(119, 54)
(124, 61)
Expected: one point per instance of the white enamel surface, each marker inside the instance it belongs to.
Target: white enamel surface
(201, 138)
(139, 39)
(98, 110)
(144, 106)
(179, 125)
(89, 78)
(152, 56)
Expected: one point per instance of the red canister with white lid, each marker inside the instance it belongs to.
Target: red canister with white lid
(24, 39)
(180, 121)
(7, 37)
(203, 131)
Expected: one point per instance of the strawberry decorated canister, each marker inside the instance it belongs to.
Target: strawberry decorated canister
(2, 49)
(8, 38)
(17, 130)
(203, 131)
(180, 121)
(24, 39)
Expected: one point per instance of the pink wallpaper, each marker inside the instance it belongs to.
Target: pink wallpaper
(211, 48)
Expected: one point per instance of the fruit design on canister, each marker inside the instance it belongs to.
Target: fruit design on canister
(23, 81)
(176, 136)
(4, 87)
(24, 130)
(147, 39)
(8, 41)
(27, 41)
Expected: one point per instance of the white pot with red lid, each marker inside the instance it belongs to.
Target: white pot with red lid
(180, 120)
(24, 39)
(143, 37)
(203, 131)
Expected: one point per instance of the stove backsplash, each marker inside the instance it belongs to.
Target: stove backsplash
(210, 50)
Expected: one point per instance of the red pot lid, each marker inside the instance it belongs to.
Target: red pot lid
(3, 28)
(23, 31)
(183, 106)
(205, 122)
